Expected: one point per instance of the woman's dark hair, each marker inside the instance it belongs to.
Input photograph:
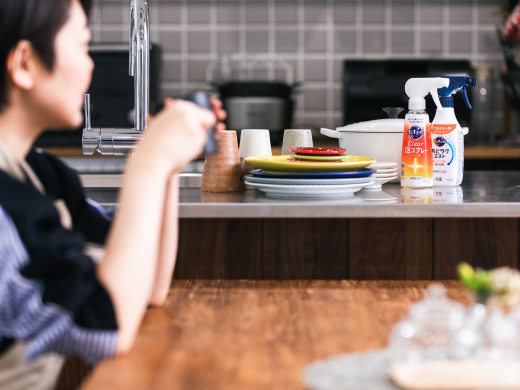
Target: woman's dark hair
(37, 21)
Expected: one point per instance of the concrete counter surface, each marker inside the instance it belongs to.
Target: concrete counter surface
(485, 194)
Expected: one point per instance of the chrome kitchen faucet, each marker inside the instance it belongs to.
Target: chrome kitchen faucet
(121, 142)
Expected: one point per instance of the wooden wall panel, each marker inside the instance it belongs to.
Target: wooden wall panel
(245, 248)
(202, 250)
(305, 249)
(483, 242)
(288, 250)
(359, 249)
(390, 249)
(330, 242)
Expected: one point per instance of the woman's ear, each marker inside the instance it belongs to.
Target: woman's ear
(21, 65)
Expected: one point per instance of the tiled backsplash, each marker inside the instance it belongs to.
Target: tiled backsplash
(313, 36)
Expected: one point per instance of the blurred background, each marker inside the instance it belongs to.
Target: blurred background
(314, 38)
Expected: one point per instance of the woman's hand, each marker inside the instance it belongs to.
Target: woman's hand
(216, 106)
(175, 136)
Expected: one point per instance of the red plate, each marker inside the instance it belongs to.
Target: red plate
(317, 151)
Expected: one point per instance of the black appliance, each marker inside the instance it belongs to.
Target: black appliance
(370, 85)
(111, 91)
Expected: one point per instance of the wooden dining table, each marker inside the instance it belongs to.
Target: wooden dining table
(258, 335)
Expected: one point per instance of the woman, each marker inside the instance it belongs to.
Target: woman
(55, 300)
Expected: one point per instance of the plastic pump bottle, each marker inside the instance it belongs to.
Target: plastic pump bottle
(416, 157)
(447, 135)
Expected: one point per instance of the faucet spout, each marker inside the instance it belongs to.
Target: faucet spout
(131, 50)
(140, 60)
(122, 141)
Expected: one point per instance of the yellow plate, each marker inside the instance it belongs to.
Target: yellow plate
(279, 164)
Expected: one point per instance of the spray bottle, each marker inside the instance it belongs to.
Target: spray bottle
(447, 135)
(416, 157)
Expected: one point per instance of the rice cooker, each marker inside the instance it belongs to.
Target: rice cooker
(258, 105)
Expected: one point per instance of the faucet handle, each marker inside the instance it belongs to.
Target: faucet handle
(87, 112)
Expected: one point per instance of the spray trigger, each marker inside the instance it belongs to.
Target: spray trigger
(470, 82)
(458, 83)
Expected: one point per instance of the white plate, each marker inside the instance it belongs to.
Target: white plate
(383, 171)
(381, 175)
(308, 192)
(379, 181)
(274, 180)
(382, 165)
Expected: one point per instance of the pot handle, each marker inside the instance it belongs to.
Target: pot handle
(330, 133)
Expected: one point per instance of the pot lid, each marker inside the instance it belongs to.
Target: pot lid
(375, 126)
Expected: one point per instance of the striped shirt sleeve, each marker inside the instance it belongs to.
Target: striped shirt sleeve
(46, 327)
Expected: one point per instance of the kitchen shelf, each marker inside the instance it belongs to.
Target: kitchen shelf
(491, 152)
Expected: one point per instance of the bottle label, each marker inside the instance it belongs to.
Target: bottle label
(415, 132)
(447, 154)
(442, 129)
(416, 157)
(443, 151)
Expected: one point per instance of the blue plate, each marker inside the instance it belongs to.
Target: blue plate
(363, 172)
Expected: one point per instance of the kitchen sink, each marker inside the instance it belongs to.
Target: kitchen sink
(100, 172)
(187, 180)
(104, 188)
(113, 165)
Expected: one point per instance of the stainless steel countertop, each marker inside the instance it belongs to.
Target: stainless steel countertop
(484, 194)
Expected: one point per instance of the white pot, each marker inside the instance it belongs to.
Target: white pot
(380, 139)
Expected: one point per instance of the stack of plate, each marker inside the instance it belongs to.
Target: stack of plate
(302, 176)
(385, 172)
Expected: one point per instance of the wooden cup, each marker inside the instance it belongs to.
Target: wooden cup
(222, 171)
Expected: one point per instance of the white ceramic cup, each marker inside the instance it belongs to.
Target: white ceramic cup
(294, 138)
(253, 142)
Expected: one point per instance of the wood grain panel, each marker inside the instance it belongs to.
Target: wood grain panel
(305, 249)
(390, 249)
(330, 242)
(202, 250)
(245, 248)
(288, 249)
(483, 242)
(362, 249)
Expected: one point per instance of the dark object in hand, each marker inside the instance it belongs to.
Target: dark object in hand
(201, 99)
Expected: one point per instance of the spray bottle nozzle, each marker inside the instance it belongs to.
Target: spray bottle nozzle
(458, 83)
(418, 88)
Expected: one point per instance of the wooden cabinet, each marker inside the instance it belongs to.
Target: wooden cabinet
(335, 249)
